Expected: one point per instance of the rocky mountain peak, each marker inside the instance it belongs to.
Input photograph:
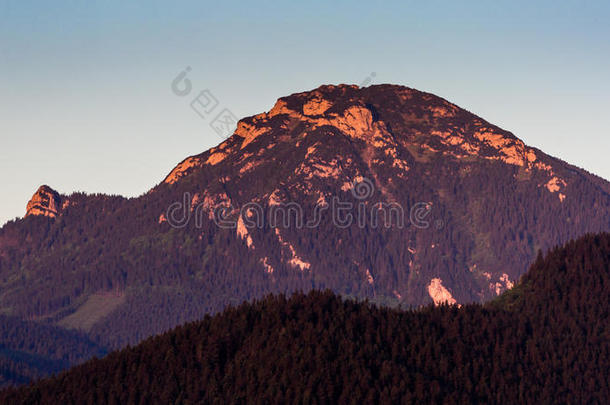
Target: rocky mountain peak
(385, 115)
(383, 123)
(45, 202)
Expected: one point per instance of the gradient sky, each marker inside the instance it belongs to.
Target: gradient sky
(86, 102)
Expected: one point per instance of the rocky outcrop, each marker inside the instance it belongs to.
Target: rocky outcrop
(439, 294)
(183, 168)
(45, 202)
(393, 122)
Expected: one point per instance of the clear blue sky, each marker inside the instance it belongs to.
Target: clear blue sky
(86, 104)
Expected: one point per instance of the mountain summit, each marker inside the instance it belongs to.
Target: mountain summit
(383, 192)
(45, 201)
(387, 121)
(390, 117)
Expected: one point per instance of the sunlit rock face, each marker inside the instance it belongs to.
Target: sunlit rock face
(388, 125)
(45, 202)
(411, 146)
(182, 169)
(439, 294)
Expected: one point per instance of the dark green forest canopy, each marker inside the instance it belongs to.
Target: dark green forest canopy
(545, 341)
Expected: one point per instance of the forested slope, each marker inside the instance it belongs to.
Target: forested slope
(31, 350)
(489, 203)
(545, 341)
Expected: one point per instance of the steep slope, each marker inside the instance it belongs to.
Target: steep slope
(442, 206)
(546, 341)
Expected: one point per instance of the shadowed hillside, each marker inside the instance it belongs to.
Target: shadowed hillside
(30, 350)
(545, 341)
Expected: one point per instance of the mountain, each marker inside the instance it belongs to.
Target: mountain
(384, 192)
(545, 341)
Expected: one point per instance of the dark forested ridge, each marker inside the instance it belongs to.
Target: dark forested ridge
(30, 350)
(120, 270)
(545, 341)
